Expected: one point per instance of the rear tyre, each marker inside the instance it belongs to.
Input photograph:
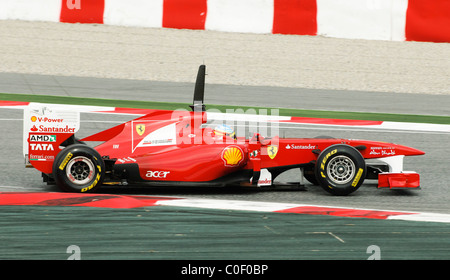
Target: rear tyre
(340, 169)
(78, 168)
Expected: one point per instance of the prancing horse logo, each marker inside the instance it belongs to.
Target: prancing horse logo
(272, 151)
(140, 129)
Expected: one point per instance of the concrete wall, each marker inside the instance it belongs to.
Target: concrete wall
(397, 20)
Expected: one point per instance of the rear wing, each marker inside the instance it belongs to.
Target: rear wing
(45, 128)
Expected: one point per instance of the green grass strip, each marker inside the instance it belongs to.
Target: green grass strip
(173, 106)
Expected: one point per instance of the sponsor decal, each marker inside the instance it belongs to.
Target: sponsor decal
(42, 147)
(97, 179)
(300, 147)
(272, 151)
(255, 153)
(42, 138)
(157, 142)
(265, 182)
(41, 157)
(46, 119)
(358, 177)
(265, 178)
(163, 136)
(42, 128)
(65, 161)
(232, 156)
(157, 174)
(140, 129)
(126, 159)
(322, 165)
(382, 151)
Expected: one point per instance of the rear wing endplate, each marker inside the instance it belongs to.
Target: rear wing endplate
(45, 127)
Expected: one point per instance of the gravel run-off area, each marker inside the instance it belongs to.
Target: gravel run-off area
(232, 58)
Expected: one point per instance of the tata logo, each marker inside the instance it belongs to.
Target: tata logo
(42, 147)
(42, 138)
(157, 174)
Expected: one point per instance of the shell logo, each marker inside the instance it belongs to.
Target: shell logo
(232, 156)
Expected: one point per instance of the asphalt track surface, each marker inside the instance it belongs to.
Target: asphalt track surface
(414, 240)
(259, 96)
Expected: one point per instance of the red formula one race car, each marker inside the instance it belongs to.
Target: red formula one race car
(179, 148)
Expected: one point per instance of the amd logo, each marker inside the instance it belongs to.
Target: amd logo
(42, 138)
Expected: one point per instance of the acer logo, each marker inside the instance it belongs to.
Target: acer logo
(41, 147)
(157, 174)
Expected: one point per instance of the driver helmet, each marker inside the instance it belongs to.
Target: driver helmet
(224, 130)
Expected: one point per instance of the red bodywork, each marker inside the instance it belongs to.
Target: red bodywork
(176, 147)
(196, 155)
(186, 152)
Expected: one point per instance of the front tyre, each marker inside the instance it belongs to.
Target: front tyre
(340, 169)
(78, 168)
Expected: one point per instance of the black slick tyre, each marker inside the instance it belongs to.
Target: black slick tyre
(340, 169)
(78, 168)
(310, 175)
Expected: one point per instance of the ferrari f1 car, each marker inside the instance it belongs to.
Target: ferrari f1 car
(177, 148)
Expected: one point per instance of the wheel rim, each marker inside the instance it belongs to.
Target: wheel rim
(80, 170)
(341, 170)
